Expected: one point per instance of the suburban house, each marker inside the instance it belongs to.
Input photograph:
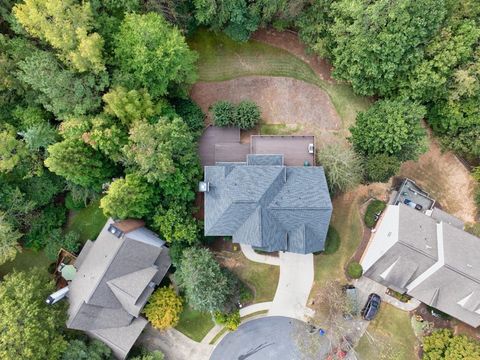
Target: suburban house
(115, 276)
(265, 204)
(428, 256)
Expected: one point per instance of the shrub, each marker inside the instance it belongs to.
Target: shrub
(231, 321)
(164, 308)
(190, 113)
(354, 270)
(332, 243)
(247, 115)
(73, 204)
(373, 208)
(223, 113)
(380, 168)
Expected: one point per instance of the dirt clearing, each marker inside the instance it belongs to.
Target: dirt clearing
(446, 179)
(282, 100)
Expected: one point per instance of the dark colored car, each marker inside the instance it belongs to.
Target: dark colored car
(372, 306)
(412, 204)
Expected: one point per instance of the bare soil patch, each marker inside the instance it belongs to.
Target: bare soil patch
(290, 42)
(446, 179)
(282, 100)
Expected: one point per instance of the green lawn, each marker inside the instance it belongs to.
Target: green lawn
(194, 324)
(261, 278)
(24, 261)
(87, 222)
(221, 58)
(279, 129)
(346, 220)
(392, 337)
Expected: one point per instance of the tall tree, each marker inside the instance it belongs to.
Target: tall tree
(376, 44)
(176, 224)
(164, 308)
(390, 127)
(61, 91)
(132, 197)
(9, 237)
(66, 26)
(151, 54)
(79, 163)
(128, 106)
(165, 152)
(87, 350)
(31, 330)
(206, 286)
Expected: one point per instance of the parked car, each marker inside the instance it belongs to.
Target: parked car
(412, 204)
(351, 294)
(370, 310)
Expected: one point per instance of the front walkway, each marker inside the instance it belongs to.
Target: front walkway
(366, 286)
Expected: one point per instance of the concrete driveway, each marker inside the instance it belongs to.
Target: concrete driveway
(294, 285)
(269, 338)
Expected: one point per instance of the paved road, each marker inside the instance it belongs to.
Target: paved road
(268, 338)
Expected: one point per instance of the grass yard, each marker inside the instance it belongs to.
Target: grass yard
(279, 129)
(261, 278)
(221, 58)
(25, 260)
(87, 222)
(346, 220)
(194, 324)
(392, 337)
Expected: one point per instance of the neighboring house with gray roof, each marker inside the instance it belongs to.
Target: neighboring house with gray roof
(272, 207)
(115, 276)
(429, 258)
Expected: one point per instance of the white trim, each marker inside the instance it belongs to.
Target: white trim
(432, 269)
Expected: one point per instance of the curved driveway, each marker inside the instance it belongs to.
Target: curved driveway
(268, 338)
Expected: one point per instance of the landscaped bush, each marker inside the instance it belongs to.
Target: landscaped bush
(373, 208)
(223, 113)
(380, 168)
(443, 344)
(247, 115)
(332, 243)
(354, 270)
(231, 321)
(73, 204)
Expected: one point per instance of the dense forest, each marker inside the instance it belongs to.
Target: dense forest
(94, 97)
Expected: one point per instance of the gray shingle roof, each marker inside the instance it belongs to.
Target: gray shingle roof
(114, 279)
(268, 205)
(433, 261)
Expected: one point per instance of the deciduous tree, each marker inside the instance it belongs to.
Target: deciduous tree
(206, 286)
(9, 237)
(176, 224)
(164, 308)
(31, 330)
(79, 163)
(152, 54)
(132, 197)
(65, 25)
(128, 106)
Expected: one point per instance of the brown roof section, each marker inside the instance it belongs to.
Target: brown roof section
(129, 225)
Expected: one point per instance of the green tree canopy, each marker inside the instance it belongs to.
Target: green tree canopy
(65, 25)
(9, 237)
(151, 54)
(128, 106)
(106, 135)
(165, 152)
(60, 90)
(390, 127)
(206, 286)
(31, 329)
(79, 163)
(87, 350)
(375, 44)
(132, 197)
(176, 224)
(442, 344)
